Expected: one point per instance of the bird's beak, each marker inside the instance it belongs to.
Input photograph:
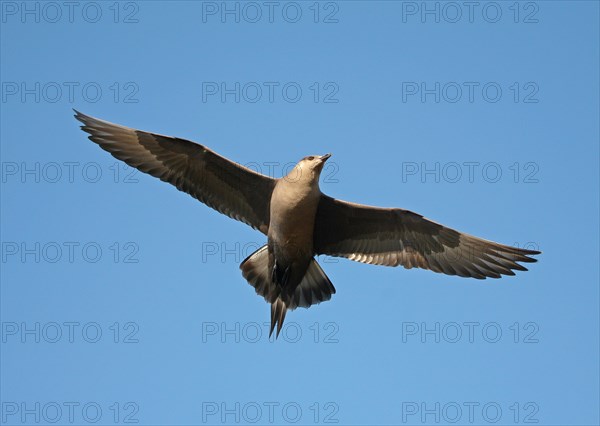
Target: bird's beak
(325, 157)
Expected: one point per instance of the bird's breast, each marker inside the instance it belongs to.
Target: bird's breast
(293, 211)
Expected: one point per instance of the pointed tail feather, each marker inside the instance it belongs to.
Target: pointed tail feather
(278, 311)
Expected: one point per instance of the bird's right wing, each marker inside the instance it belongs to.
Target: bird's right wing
(223, 185)
(393, 237)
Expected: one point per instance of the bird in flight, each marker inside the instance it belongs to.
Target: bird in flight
(301, 222)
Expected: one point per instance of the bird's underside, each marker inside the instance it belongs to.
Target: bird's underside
(379, 236)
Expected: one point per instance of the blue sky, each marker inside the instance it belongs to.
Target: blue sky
(121, 298)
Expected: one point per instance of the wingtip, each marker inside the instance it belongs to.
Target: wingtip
(81, 117)
(528, 252)
(527, 259)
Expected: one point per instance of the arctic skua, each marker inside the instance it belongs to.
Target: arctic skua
(301, 222)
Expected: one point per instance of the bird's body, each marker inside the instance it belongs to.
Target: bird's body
(300, 222)
(293, 211)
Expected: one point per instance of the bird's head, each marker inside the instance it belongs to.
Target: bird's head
(308, 169)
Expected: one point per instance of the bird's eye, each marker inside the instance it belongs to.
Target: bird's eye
(311, 158)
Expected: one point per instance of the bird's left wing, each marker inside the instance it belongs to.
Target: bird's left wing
(393, 237)
(223, 185)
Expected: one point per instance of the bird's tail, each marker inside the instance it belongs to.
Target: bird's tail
(314, 288)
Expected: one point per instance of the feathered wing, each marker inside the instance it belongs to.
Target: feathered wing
(223, 185)
(393, 237)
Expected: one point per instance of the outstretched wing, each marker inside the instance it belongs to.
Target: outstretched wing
(393, 237)
(212, 179)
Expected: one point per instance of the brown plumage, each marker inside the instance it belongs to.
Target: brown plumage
(393, 237)
(301, 222)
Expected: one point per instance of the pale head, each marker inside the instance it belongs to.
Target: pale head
(308, 169)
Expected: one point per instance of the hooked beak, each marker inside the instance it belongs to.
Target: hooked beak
(325, 157)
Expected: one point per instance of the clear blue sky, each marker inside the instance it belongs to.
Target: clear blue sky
(483, 119)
